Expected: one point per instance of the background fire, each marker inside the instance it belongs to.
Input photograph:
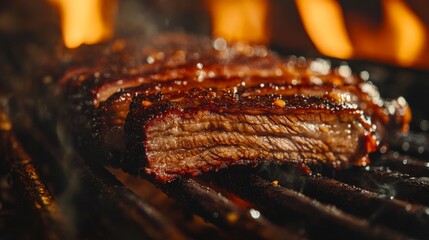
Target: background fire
(390, 33)
(86, 22)
(387, 31)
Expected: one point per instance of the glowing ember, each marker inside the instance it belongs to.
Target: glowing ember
(324, 23)
(240, 20)
(86, 21)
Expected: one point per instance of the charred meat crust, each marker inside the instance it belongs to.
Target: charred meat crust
(232, 125)
(120, 92)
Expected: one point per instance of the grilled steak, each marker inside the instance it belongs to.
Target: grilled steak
(186, 105)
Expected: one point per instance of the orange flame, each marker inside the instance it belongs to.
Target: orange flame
(407, 30)
(400, 38)
(240, 20)
(323, 21)
(86, 21)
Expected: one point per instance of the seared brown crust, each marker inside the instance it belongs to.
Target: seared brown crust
(210, 119)
(178, 74)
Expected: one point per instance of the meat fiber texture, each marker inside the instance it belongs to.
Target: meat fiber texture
(182, 105)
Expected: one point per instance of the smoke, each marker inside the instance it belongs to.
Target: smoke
(73, 185)
(152, 17)
(134, 19)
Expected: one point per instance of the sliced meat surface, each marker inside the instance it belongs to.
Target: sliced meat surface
(203, 130)
(179, 104)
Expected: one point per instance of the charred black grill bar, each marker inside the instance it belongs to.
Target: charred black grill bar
(280, 201)
(404, 164)
(118, 209)
(215, 208)
(389, 183)
(33, 192)
(381, 210)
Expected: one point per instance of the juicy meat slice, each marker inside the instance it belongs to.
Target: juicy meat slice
(201, 130)
(195, 108)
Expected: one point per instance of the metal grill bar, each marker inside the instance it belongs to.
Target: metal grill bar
(403, 163)
(401, 216)
(27, 183)
(214, 207)
(122, 212)
(389, 183)
(280, 202)
(413, 144)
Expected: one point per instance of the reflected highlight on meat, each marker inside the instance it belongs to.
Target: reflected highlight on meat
(184, 106)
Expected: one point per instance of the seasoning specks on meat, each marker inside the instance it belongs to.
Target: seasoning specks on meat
(175, 105)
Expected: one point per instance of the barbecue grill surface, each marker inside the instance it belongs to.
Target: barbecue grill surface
(48, 191)
(47, 184)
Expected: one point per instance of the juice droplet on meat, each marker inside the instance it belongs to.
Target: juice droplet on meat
(406, 119)
(370, 143)
(304, 168)
(279, 103)
(146, 103)
(232, 217)
(363, 161)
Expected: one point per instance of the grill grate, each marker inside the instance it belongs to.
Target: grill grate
(54, 193)
(275, 202)
(377, 208)
(35, 193)
(319, 218)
